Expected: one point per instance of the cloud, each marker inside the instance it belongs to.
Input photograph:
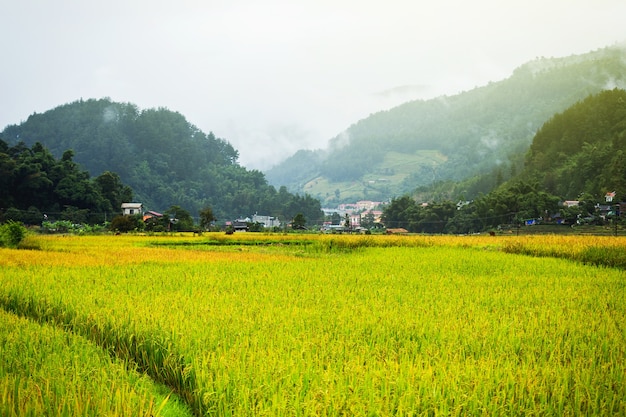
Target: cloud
(110, 114)
(276, 76)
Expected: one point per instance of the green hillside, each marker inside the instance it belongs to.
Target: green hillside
(165, 159)
(582, 150)
(396, 168)
(578, 154)
(473, 132)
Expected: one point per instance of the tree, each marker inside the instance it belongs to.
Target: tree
(179, 218)
(126, 223)
(298, 222)
(367, 221)
(206, 217)
(11, 234)
(113, 190)
(398, 213)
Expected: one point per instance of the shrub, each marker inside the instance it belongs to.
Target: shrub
(124, 224)
(12, 233)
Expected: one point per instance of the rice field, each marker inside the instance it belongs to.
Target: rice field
(307, 325)
(46, 371)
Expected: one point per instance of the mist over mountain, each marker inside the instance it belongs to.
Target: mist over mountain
(449, 138)
(577, 155)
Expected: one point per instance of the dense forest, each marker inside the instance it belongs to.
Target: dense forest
(450, 139)
(576, 155)
(164, 159)
(582, 150)
(35, 186)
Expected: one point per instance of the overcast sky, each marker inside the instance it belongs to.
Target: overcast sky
(272, 77)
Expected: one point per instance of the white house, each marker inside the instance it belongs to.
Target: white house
(132, 208)
(266, 221)
(571, 203)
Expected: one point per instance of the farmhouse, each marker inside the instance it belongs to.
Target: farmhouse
(608, 197)
(266, 221)
(239, 225)
(571, 203)
(132, 208)
(333, 228)
(152, 217)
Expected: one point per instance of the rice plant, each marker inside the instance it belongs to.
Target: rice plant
(341, 325)
(47, 371)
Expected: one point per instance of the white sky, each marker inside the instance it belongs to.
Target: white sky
(275, 76)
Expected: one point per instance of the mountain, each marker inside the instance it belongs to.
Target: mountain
(449, 138)
(578, 154)
(583, 149)
(164, 159)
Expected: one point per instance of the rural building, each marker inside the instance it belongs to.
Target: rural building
(333, 228)
(608, 197)
(266, 221)
(132, 208)
(152, 216)
(377, 214)
(367, 205)
(239, 225)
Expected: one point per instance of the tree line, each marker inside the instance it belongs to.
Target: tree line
(36, 188)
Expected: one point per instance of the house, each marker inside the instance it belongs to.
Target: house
(333, 228)
(608, 197)
(367, 205)
(239, 225)
(462, 204)
(266, 221)
(347, 208)
(152, 216)
(603, 210)
(128, 209)
(571, 203)
(377, 214)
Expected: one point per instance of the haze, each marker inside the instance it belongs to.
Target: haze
(277, 76)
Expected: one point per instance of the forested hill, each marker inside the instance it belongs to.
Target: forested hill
(164, 159)
(582, 150)
(450, 138)
(579, 154)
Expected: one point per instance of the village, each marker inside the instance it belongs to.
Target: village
(365, 215)
(355, 217)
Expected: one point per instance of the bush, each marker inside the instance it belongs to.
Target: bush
(124, 224)
(11, 234)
